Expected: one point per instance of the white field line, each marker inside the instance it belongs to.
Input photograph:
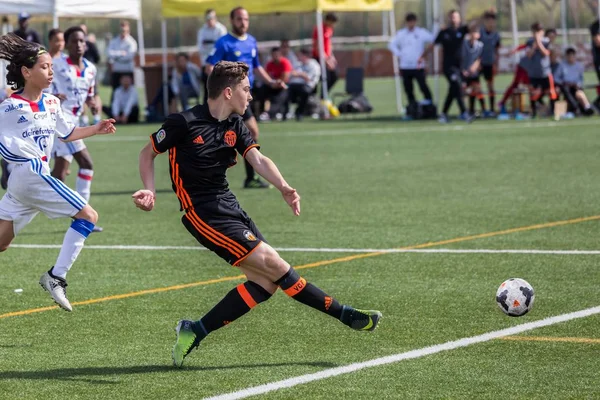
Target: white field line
(422, 352)
(326, 250)
(350, 131)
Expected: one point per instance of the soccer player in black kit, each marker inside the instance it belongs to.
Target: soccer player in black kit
(203, 143)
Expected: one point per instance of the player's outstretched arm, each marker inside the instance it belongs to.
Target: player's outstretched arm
(144, 199)
(101, 128)
(268, 170)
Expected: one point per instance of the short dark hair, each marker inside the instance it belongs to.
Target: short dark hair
(331, 17)
(232, 13)
(452, 11)
(570, 50)
(305, 51)
(549, 31)
(411, 16)
(225, 74)
(276, 48)
(489, 15)
(209, 11)
(536, 27)
(71, 31)
(183, 54)
(473, 26)
(53, 32)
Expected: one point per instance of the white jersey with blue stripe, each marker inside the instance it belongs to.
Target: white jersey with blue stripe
(76, 84)
(27, 129)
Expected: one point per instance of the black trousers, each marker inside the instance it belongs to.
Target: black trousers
(332, 78)
(278, 99)
(134, 116)
(455, 90)
(408, 76)
(299, 93)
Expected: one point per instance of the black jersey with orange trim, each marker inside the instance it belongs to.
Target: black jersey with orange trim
(201, 148)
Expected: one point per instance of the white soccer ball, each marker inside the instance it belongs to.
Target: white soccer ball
(515, 297)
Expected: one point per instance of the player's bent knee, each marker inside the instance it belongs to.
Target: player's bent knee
(274, 264)
(86, 163)
(88, 213)
(268, 261)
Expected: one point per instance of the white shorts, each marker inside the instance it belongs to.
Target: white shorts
(67, 149)
(31, 189)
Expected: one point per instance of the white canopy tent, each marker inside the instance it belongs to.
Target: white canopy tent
(125, 9)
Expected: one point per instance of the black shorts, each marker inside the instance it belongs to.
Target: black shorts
(224, 228)
(472, 80)
(540, 83)
(488, 72)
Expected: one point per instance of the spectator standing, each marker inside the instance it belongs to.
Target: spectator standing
(521, 77)
(408, 45)
(185, 79)
(121, 54)
(330, 61)
(540, 74)
(125, 105)
(24, 32)
(91, 50)
(208, 35)
(472, 52)
(279, 68)
(303, 81)
(451, 39)
(490, 37)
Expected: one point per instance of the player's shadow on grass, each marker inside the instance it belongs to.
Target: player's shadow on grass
(85, 374)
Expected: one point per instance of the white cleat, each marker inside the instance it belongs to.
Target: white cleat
(57, 288)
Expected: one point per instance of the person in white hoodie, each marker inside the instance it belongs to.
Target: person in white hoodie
(408, 45)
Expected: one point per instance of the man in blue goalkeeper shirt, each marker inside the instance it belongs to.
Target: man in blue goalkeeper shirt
(241, 46)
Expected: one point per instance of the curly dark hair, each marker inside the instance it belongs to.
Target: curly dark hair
(19, 53)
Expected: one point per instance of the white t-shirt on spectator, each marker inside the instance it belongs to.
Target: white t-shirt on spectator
(207, 37)
(408, 45)
(124, 101)
(312, 69)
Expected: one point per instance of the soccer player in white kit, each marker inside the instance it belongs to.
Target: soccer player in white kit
(75, 80)
(29, 121)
